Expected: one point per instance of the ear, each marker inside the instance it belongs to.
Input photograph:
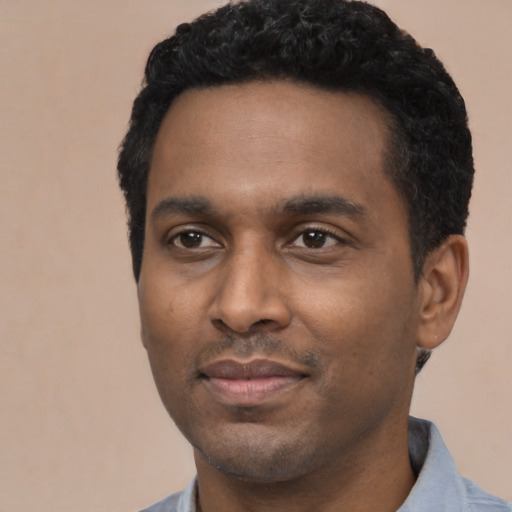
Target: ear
(141, 318)
(442, 285)
(143, 336)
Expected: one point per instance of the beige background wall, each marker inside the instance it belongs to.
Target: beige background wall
(81, 426)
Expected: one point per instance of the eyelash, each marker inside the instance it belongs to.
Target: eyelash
(189, 231)
(325, 232)
(328, 233)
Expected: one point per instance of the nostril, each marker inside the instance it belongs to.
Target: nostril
(264, 321)
(221, 325)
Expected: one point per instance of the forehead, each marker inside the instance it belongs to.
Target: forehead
(259, 142)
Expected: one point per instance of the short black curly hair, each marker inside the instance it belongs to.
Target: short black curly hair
(337, 45)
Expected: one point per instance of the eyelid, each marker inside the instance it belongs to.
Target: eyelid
(177, 231)
(341, 236)
(342, 239)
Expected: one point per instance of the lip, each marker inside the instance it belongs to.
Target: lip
(249, 383)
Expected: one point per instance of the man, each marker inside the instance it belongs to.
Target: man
(297, 175)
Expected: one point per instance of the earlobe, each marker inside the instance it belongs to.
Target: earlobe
(143, 336)
(442, 285)
(141, 319)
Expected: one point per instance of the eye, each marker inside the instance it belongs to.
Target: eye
(316, 239)
(192, 240)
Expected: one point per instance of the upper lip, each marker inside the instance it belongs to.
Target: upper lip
(244, 370)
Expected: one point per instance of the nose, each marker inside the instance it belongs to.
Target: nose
(251, 293)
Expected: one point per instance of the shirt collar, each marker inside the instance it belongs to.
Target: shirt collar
(438, 486)
(188, 498)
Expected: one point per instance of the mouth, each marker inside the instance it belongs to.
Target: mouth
(249, 383)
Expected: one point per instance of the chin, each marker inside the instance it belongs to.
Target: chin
(259, 470)
(263, 460)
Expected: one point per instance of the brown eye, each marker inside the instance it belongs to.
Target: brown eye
(316, 239)
(193, 240)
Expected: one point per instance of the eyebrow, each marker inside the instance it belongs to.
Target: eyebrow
(318, 204)
(298, 205)
(182, 205)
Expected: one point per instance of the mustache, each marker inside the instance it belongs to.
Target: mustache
(257, 344)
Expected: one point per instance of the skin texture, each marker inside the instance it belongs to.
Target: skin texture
(274, 236)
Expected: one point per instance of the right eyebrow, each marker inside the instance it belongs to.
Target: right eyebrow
(324, 204)
(182, 205)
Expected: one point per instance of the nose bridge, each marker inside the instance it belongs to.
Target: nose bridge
(251, 289)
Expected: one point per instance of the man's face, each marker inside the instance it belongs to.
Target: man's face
(277, 298)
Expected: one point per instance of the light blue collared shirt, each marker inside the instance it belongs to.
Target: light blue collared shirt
(438, 488)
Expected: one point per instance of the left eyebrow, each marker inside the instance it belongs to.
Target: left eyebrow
(337, 205)
(182, 205)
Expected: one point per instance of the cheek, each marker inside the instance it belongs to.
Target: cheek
(360, 319)
(173, 326)
(159, 316)
(364, 336)
(166, 308)
(161, 336)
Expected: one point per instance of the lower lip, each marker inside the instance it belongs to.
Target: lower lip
(250, 392)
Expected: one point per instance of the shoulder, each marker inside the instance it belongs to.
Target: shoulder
(169, 504)
(184, 501)
(439, 486)
(477, 500)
